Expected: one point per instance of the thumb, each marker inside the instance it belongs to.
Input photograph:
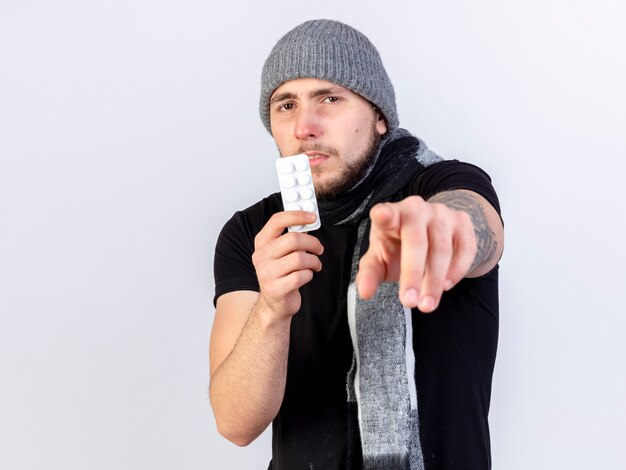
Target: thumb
(385, 218)
(369, 276)
(372, 269)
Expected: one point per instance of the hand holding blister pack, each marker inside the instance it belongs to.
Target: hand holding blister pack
(296, 188)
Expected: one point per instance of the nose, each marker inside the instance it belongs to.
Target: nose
(307, 125)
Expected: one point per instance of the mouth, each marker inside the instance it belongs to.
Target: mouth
(316, 158)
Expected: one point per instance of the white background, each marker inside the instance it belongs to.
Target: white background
(129, 133)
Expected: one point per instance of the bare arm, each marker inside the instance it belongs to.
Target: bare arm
(248, 361)
(250, 335)
(487, 227)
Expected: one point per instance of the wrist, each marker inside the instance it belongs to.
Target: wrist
(267, 319)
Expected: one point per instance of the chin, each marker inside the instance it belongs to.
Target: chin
(329, 193)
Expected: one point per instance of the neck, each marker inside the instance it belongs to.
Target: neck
(394, 164)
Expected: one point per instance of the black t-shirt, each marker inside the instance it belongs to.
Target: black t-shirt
(455, 346)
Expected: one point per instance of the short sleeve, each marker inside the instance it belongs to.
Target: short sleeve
(232, 267)
(449, 175)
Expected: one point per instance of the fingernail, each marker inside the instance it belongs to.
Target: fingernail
(411, 298)
(427, 303)
(310, 216)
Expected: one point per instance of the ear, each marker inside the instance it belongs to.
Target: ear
(381, 124)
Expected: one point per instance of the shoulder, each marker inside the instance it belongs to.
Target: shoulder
(236, 238)
(448, 175)
(249, 221)
(232, 265)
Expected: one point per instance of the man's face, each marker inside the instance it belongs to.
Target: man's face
(335, 127)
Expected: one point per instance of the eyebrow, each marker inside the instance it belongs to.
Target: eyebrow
(288, 95)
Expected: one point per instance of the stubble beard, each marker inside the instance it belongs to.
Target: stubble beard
(351, 173)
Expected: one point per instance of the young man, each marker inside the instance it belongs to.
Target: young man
(370, 342)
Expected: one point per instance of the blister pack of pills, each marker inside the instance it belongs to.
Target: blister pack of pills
(296, 188)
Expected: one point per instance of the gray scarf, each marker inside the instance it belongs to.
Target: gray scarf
(381, 383)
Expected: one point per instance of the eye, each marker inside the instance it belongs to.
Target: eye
(332, 99)
(285, 107)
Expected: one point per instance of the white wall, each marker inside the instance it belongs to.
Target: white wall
(129, 133)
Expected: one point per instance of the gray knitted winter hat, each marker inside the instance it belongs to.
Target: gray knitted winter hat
(333, 51)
